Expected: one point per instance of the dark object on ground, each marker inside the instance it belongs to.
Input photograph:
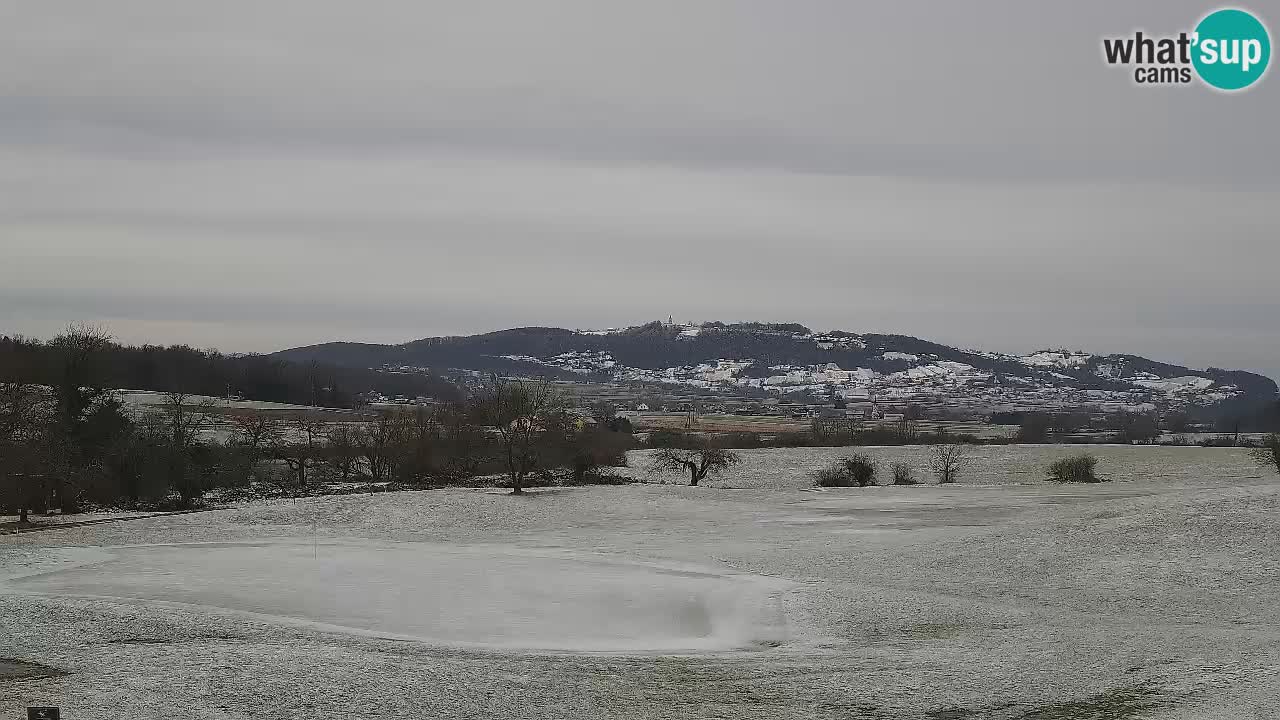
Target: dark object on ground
(854, 471)
(13, 669)
(1075, 469)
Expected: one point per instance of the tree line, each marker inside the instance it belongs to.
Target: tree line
(821, 433)
(209, 372)
(1136, 428)
(521, 430)
(68, 442)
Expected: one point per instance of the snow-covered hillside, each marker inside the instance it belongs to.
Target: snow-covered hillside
(787, 358)
(924, 377)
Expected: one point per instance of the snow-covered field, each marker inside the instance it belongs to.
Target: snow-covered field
(989, 464)
(151, 398)
(758, 597)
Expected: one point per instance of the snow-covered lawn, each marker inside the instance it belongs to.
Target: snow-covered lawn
(480, 596)
(1002, 597)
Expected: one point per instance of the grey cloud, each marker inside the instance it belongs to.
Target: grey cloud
(261, 174)
(1232, 159)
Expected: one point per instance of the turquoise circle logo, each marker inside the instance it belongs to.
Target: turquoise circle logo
(1232, 49)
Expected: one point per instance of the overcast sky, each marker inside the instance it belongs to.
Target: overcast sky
(254, 175)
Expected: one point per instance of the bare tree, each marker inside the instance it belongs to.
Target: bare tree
(419, 442)
(695, 453)
(380, 442)
(463, 440)
(1268, 454)
(254, 431)
(301, 451)
(24, 415)
(184, 419)
(521, 412)
(254, 435)
(949, 461)
(699, 462)
(341, 452)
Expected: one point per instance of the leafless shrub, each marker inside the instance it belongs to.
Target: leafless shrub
(902, 474)
(854, 471)
(948, 462)
(1075, 469)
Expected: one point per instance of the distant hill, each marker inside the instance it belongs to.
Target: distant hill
(790, 358)
(204, 372)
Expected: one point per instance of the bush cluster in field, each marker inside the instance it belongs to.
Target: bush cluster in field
(949, 462)
(1080, 468)
(946, 462)
(858, 470)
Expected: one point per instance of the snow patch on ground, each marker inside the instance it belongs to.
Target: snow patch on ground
(486, 596)
(1056, 359)
(1186, 383)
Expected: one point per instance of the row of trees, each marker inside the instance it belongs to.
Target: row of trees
(69, 442)
(824, 433)
(209, 372)
(1130, 428)
(61, 443)
(1140, 427)
(111, 457)
(521, 429)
